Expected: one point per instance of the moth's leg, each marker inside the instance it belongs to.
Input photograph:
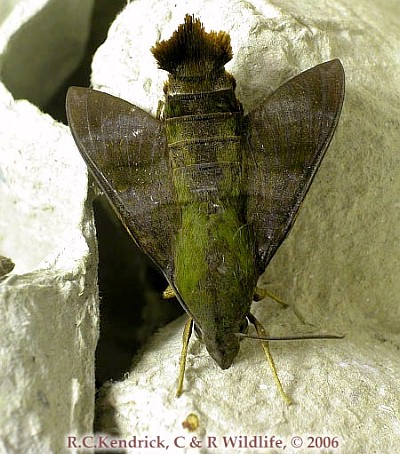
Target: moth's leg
(168, 293)
(261, 293)
(265, 345)
(160, 108)
(182, 363)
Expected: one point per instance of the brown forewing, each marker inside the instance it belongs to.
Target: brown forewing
(286, 138)
(126, 151)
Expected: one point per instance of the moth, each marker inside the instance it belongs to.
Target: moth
(207, 191)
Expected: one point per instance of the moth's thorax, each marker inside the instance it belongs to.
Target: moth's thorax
(215, 272)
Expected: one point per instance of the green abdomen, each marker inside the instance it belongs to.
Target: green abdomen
(213, 251)
(203, 131)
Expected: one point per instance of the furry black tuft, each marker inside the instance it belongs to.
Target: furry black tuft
(192, 47)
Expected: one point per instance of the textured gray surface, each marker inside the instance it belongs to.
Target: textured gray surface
(49, 304)
(337, 270)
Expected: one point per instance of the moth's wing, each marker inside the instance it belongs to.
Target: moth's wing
(286, 138)
(125, 150)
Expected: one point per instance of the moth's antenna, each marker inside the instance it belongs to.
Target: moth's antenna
(262, 336)
(291, 338)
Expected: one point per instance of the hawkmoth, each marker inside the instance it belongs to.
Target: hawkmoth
(208, 192)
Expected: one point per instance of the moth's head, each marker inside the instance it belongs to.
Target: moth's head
(192, 51)
(222, 344)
